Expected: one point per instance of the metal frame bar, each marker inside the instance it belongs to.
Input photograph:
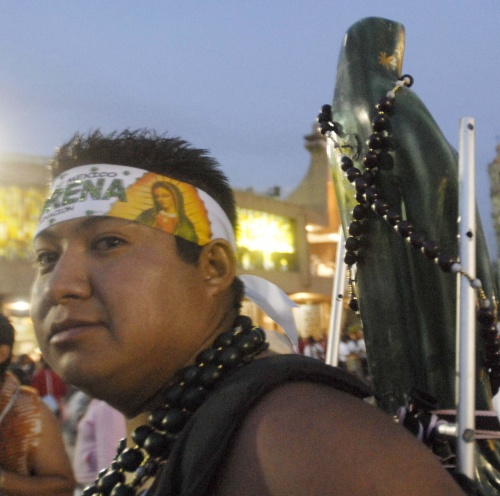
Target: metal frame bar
(466, 300)
(337, 305)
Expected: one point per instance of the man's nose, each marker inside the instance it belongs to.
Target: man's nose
(69, 279)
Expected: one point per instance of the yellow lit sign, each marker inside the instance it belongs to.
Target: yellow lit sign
(265, 241)
(19, 212)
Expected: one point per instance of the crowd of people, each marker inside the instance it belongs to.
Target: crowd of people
(351, 353)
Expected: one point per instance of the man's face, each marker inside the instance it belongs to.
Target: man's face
(115, 310)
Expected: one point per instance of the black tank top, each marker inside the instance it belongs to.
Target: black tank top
(203, 443)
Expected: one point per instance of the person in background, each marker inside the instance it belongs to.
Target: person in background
(23, 367)
(50, 387)
(314, 349)
(344, 351)
(33, 460)
(150, 323)
(75, 405)
(98, 434)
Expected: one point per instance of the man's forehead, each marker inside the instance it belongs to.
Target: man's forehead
(81, 225)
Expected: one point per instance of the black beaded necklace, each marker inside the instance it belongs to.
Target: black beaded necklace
(188, 390)
(367, 195)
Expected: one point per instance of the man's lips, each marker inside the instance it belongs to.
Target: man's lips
(71, 329)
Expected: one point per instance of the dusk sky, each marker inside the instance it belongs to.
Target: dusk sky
(242, 79)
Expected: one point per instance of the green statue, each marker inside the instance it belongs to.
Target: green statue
(407, 300)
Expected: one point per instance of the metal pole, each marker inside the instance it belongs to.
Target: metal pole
(466, 300)
(337, 307)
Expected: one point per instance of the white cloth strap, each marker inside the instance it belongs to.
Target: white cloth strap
(274, 301)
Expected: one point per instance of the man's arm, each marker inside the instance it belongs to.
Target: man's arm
(310, 440)
(52, 474)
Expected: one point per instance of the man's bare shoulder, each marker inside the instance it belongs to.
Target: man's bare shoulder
(306, 439)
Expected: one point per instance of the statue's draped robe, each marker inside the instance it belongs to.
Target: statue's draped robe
(407, 304)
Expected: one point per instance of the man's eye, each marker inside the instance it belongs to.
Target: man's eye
(46, 258)
(108, 243)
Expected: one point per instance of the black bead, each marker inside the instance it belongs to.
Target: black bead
(90, 490)
(324, 117)
(122, 490)
(206, 356)
(360, 184)
(110, 479)
(381, 207)
(360, 198)
(346, 163)
(172, 396)
(351, 244)
(486, 316)
(445, 262)
(230, 357)
(155, 418)
(140, 434)
(193, 398)
(102, 473)
(405, 228)
(371, 160)
(173, 421)
(393, 217)
(122, 444)
(326, 109)
(369, 177)
(417, 240)
(352, 173)
(371, 194)
(211, 373)
(353, 304)
(326, 127)
(375, 141)
(257, 334)
(189, 375)
(158, 444)
(380, 123)
(385, 105)
(359, 212)
(223, 340)
(431, 249)
(245, 344)
(350, 258)
(244, 322)
(130, 459)
(355, 228)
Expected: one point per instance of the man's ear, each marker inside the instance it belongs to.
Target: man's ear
(4, 352)
(218, 264)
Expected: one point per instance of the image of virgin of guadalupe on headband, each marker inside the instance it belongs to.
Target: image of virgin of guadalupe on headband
(168, 212)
